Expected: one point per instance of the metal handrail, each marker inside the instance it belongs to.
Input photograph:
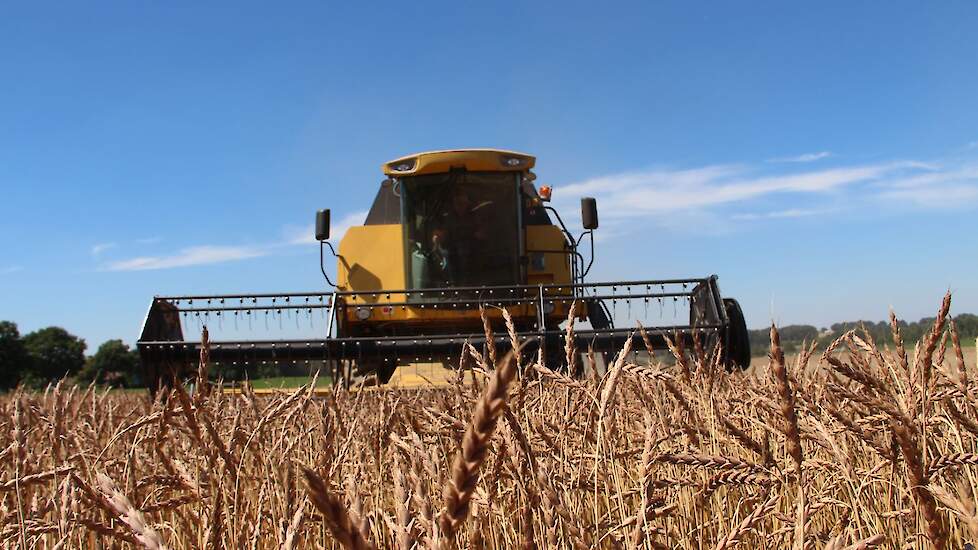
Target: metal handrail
(460, 303)
(473, 337)
(256, 307)
(491, 289)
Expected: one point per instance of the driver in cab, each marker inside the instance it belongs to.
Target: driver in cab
(460, 236)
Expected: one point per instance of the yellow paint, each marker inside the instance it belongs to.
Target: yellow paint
(371, 258)
(419, 375)
(556, 264)
(473, 160)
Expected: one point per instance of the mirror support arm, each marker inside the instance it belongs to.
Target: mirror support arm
(322, 264)
(563, 227)
(589, 233)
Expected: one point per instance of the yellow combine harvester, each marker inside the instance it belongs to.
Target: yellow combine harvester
(449, 232)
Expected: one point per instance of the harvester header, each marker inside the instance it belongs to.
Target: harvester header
(451, 237)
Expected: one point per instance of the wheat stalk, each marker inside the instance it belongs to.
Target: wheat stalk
(734, 537)
(129, 515)
(475, 443)
(641, 458)
(336, 516)
(792, 436)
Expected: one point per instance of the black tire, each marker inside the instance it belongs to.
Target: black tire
(597, 314)
(373, 369)
(736, 343)
(385, 371)
(159, 376)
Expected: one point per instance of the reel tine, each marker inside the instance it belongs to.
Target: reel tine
(628, 289)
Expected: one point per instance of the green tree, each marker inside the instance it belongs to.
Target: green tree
(113, 363)
(967, 326)
(54, 353)
(13, 356)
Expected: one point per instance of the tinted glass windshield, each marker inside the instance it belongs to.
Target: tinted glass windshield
(462, 229)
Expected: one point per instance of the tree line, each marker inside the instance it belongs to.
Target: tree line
(793, 337)
(52, 353)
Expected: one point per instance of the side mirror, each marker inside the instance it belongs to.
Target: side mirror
(322, 225)
(589, 213)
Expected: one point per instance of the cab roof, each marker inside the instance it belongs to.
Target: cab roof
(482, 160)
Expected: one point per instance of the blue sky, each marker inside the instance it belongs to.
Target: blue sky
(822, 159)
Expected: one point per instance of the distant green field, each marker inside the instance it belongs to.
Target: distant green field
(289, 382)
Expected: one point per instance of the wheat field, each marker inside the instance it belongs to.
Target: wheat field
(854, 447)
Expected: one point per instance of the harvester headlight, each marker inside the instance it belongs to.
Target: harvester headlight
(513, 162)
(545, 193)
(363, 313)
(402, 165)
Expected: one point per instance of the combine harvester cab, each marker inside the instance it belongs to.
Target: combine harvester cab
(450, 234)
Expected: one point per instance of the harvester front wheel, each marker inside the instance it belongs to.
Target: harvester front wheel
(385, 371)
(737, 340)
(374, 372)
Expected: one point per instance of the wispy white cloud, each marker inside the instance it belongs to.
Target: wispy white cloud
(723, 195)
(940, 196)
(952, 188)
(213, 254)
(102, 247)
(196, 255)
(661, 191)
(807, 157)
(623, 182)
(935, 177)
(11, 269)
